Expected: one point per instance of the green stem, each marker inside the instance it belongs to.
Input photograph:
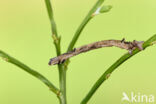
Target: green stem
(83, 24)
(108, 72)
(81, 27)
(62, 71)
(62, 78)
(51, 16)
(34, 73)
(53, 27)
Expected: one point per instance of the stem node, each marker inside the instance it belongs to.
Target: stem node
(108, 75)
(5, 59)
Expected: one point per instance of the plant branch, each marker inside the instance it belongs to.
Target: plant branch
(34, 73)
(89, 16)
(95, 10)
(108, 72)
(53, 27)
(130, 46)
(62, 77)
(62, 72)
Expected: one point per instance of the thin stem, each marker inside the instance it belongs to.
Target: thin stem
(108, 72)
(51, 17)
(89, 16)
(53, 27)
(83, 24)
(62, 77)
(62, 72)
(34, 73)
(62, 80)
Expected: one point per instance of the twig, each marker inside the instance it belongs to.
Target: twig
(95, 10)
(89, 16)
(109, 71)
(57, 40)
(34, 73)
(130, 46)
(53, 26)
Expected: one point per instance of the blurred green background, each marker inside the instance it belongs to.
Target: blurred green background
(25, 34)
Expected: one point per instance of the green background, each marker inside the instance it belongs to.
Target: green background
(25, 34)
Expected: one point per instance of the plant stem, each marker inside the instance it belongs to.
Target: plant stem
(83, 24)
(51, 17)
(53, 27)
(81, 27)
(108, 72)
(34, 73)
(62, 78)
(62, 71)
